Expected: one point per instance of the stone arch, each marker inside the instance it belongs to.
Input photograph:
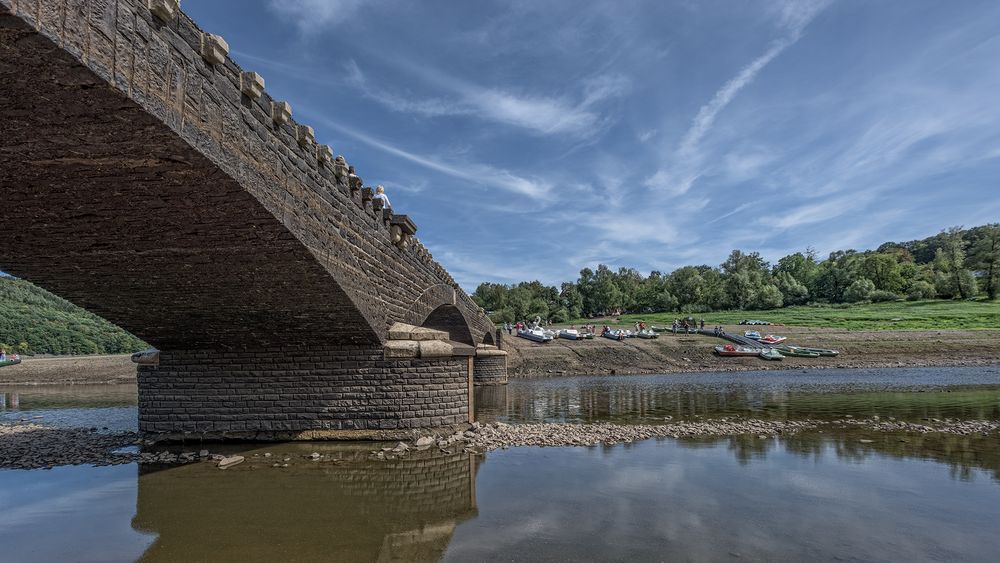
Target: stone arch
(450, 319)
(488, 339)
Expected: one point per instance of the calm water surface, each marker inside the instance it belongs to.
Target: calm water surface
(811, 496)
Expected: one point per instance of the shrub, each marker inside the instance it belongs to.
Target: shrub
(879, 296)
(858, 291)
(921, 290)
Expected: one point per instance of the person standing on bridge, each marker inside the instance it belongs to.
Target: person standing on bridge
(380, 195)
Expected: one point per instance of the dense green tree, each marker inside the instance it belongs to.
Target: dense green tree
(859, 290)
(984, 256)
(883, 270)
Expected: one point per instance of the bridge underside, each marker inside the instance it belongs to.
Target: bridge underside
(268, 327)
(106, 206)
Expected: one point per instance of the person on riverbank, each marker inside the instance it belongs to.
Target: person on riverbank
(380, 195)
(703, 324)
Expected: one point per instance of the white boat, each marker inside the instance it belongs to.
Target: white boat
(616, 334)
(647, 333)
(536, 334)
(570, 334)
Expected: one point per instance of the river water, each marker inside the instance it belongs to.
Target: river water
(809, 496)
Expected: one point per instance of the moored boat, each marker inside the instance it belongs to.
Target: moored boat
(10, 360)
(647, 333)
(771, 354)
(752, 334)
(536, 334)
(568, 334)
(730, 350)
(821, 351)
(615, 334)
(772, 339)
(655, 328)
(795, 351)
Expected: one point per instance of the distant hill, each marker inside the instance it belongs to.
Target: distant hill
(34, 321)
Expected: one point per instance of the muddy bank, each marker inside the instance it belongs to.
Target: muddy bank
(70, 370)
(672, 353)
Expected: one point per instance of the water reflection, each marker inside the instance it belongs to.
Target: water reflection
(913, 394)
(353, 509)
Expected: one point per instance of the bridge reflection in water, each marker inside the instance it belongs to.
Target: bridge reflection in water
(351, 509)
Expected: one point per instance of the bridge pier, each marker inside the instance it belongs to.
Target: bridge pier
(302, 393)
(490, 366)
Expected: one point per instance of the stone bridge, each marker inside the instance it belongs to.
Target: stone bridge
(148, 178)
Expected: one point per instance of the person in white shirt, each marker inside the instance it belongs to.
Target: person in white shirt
(380, 195)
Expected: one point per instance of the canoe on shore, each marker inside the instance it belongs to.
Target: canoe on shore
(647, 333)
(615, 335)
(730, 350)
(796, 352)
(771, 354)
(772, 339)
(821, 351)
(752, 334)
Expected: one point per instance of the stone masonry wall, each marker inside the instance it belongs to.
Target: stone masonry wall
(298, 393)
(490, 370)
(159, 66)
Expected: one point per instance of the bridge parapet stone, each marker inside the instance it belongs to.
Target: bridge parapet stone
(281, 112)
(252, 84)
(214, 49)
(165, 10)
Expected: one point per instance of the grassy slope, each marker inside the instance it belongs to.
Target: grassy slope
(907, 315)
(33, 320)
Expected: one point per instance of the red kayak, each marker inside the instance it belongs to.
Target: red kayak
(730, 350)
(772, 339)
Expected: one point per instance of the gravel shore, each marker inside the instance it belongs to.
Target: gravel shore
(27, 445)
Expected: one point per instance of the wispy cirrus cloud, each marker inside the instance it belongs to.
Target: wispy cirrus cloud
(311, 16)
(687, 161)
(576, 114)
(473, 172)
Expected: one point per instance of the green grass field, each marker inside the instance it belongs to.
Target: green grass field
(907, 315)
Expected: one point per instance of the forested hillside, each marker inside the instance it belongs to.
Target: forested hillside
(954, 264)
(34, 321)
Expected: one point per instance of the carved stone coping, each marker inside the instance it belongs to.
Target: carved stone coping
(165, 10)
(252, 84)
(149, 357)
(214, 49)
(404, 223)
(403, 331)
(367, 194)
(487, 350)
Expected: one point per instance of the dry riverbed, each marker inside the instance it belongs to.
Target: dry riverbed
(27, 445)
(70, 370)
(674, 353)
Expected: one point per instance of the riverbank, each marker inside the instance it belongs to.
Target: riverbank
(670, 353)
(70, 370)
(676, 353)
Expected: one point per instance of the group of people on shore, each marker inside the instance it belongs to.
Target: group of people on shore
(685, 324)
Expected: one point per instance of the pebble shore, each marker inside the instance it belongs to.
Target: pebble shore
(27, 445)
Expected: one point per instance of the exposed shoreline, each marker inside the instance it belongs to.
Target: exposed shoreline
(686, 353)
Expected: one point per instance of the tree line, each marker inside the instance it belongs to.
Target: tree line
(957, 263)
(34, 321)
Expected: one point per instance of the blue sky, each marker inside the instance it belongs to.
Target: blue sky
(528, 139)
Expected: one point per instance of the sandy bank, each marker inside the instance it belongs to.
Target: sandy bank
(70, 370)
(692, 353)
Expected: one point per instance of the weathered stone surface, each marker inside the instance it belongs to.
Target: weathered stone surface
(252, 84)
(490, 369)
(165, 10)
(400, 331)
(281, 112)
(305, 135)
(401, 349)
(214, 48)
(230, 461)
(424, 333)
(435, 349)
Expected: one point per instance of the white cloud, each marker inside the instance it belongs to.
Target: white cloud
(574, 114)
(311, 16)
(475, 173)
